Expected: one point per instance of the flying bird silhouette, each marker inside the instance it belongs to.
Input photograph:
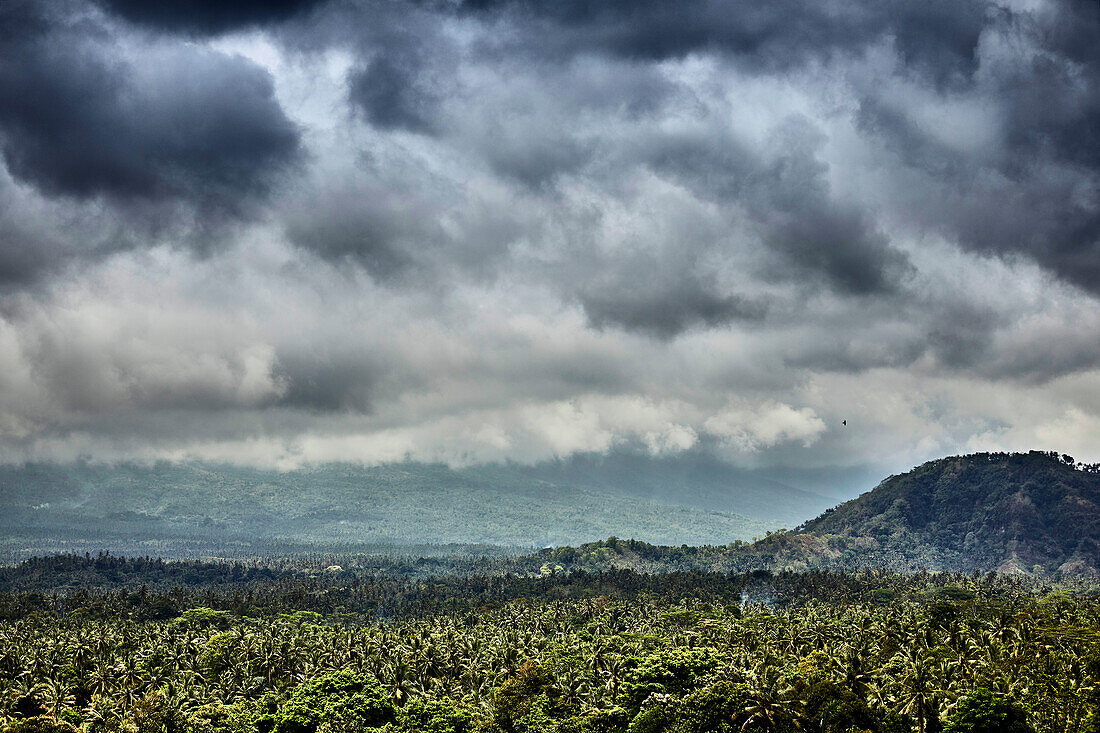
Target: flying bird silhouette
(843, 422)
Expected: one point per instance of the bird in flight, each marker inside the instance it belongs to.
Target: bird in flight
(843, 422)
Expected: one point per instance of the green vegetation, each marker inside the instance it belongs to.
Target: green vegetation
(616, 636)
(1015, 513)
(1035, 513)
(193, 509)
(630, 653)
(984, 711)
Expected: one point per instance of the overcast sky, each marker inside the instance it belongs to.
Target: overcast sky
(488, 230)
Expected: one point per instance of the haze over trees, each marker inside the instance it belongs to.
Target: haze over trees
(195, 509)
(615, 636)
(1027, 512)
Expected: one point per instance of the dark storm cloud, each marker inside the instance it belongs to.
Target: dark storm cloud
(537, 161)
(938, 38)
(325, 382)
(716, 223)
(855, 354)
(1053, 100)
(837, 245)
(23, 256)
(208, 16)
(810, 236)
(79, 120)
(386, 91)
(383, 226)
(406, 80)
(1053, 116)
(1037, 192)
(1048, 103)
(816, 236)
(666, 309)
(960, 337)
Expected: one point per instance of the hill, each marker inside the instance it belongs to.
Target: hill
(1036, 513)
(1021, 512)
(194, 509)
(1025, 513)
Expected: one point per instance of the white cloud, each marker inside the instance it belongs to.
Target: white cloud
(750, 428)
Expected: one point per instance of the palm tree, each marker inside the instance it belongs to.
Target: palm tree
(772, 701)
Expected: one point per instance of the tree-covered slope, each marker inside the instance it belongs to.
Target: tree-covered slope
(1010, 512)
(694, 480)
(191, 509)
(1036, 513)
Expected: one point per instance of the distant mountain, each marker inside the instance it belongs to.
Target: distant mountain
(693, 480)
(1036, 513)
(1022, 512)
(188, 509)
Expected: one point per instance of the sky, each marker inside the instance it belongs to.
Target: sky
(470, 231)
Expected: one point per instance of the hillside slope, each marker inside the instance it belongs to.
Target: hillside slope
(194, 509)
(1024, 512)
(698, 481)
(1035, 513)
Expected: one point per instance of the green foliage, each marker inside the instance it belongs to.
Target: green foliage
(218, 718)
(154, 713)
(952, 594)
(583, 653)
(682, 617)
(39, 724)
(657, 717)
(263, 714)
(203, 617)
(883, 595)
(829, 708)
(528, 700)
(217, 654)
(614, 720)
(713, 709)
(669, 671)
(1016, 512)
(343, 700)
(984, 711)
(942, 614)
(302, 617)
(421, 715)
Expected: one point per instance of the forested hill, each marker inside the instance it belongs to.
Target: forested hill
(1035, 513)
(1016, 512)
(195, 509)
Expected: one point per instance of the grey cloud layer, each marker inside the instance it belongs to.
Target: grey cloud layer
(1042, 92)
(207, 17)
(90, 114)
(938, 37)
(493, 229)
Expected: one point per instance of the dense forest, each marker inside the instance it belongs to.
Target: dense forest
(805, 630)
(279, 651)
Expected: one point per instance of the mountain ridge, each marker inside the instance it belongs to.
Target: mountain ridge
(1034, 514)
(1013, 512)
(143, 508)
